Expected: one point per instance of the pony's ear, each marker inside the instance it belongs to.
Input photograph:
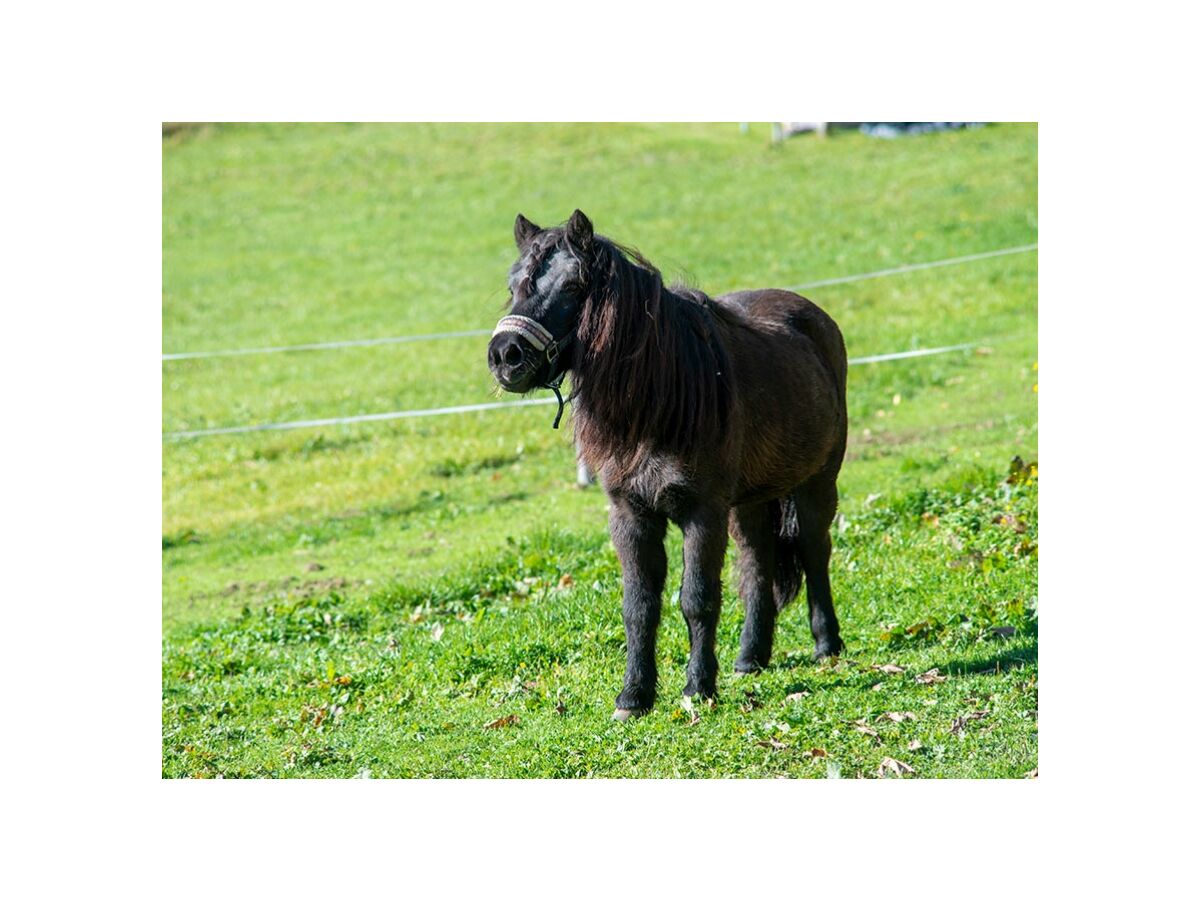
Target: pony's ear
(579, 230)
(523, 230)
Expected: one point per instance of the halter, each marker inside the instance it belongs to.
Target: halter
(545, 343)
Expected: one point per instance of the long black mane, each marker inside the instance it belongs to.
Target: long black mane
(650, 369)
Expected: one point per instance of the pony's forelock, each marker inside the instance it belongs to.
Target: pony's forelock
(541, 248)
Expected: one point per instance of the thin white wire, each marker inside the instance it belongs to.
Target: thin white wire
(480, 407)
(369, 417)
(404, 339)
(329, 345)
(914, 267)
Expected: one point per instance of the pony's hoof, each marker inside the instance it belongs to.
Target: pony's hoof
(623, 715)
(828, 651)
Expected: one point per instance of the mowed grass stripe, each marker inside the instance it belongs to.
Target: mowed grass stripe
(369, 504)
(404, 339)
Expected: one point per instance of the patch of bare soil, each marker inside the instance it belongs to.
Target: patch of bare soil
(292, 586)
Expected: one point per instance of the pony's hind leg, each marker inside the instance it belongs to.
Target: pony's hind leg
(705, 535)
(637, 536)
(816, 506)
(755, 537)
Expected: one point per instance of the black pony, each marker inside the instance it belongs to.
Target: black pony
(719, 414)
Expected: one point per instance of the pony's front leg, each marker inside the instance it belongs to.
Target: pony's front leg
(705, 535)
(637, 536)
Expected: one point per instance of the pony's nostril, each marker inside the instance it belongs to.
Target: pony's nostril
(513, 355)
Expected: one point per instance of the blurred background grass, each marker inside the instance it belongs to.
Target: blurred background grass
(277, 235)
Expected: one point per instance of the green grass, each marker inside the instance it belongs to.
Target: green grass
(370, 597)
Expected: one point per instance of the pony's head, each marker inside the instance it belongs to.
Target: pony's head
(535, 344)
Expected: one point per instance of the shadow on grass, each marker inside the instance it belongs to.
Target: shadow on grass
(996, 664)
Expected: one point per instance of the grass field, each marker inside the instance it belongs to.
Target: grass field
(435, 597)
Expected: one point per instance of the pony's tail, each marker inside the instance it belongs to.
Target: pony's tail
(789, 570)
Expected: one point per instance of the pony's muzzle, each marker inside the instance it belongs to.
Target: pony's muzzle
(510, 360)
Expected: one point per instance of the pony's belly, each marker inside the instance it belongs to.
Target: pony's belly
(758, 495)
(667, 485)
(777, 484)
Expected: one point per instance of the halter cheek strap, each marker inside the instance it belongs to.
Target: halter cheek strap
(544, 342)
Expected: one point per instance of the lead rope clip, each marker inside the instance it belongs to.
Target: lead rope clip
(554, 385)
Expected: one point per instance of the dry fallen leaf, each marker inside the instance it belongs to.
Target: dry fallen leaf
(566, 581)
(1032, 773)
(504, 722)
(895, 767)
(930, 677)
(799, 695)
(888, 669)
(961, 722)
(436, 631)
(692, 708)
(838, 662)
(772, 744)
(815, 753)
(861, 726)
(914, 744)
(1011, 521)
(896, 716)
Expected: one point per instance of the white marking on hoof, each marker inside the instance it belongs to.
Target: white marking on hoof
(621, 715)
